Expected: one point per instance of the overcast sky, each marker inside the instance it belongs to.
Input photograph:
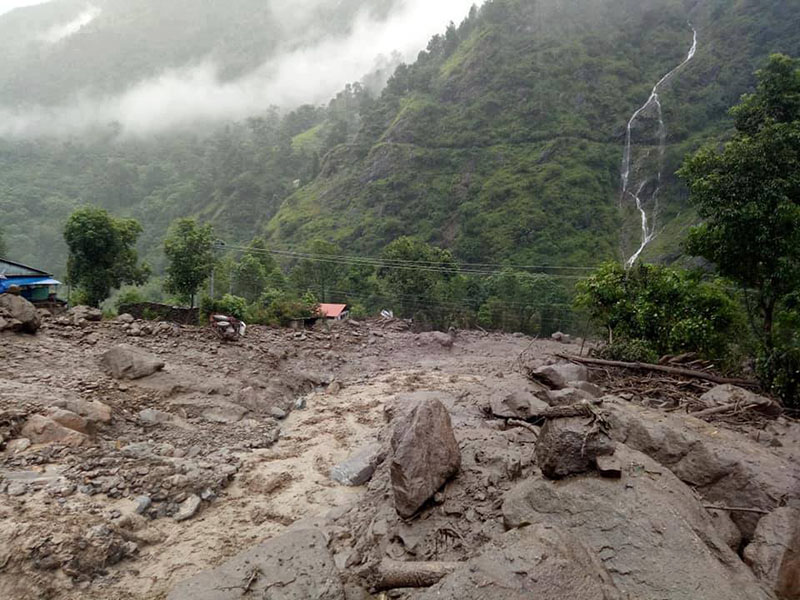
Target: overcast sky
(308, 75)
(9, 5)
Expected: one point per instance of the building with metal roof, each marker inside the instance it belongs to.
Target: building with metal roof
(34, 285)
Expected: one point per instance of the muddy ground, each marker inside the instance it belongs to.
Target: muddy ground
(249, 432)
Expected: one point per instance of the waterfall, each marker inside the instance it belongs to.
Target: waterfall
(648, 224)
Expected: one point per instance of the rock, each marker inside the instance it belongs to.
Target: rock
(188, 508)
(18, 314)
(726, 467)
(151, 416)
(609, 466)
(559, 376)
(277, 412)
(18, 445)
(125, 318)
(293, 566)
(41, 430)
(335, 387)
(561, 337)
(142, 504)
(358, 469)
(225, 413)
(69, 420)
(567, 396)
(84, 313)
(127, 362)
(729, 394)
(534, 562)
(726, 529)
(516, 405)
(426, 455)
(774, 553)
(16, 488)
(570, 446)
(93, 411)
(590, 388)
(649, 530)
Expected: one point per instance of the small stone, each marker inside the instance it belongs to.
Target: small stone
(18, 445)
(277, 412)
(300, 403)
(188, 508)
(142, 504)
(16, 488)
(609, 466)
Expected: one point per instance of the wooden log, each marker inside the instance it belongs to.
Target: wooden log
(757, 511)
(393, 574)
(557, 412)
(661, 369)
(716, 410)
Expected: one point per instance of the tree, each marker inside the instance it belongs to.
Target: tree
(190, 251)
(748, 195)
(320, 273)
(102, 253)
(256, 271)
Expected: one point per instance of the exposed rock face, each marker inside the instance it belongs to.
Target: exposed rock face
(724, 467)
(358, 469)
(293, 566)
(569, 446)
(426, 455)
(774, 553)
(41, 430)
(127, 362)
(559, 376)
(652, 535)
(538, 562)
(17, 314)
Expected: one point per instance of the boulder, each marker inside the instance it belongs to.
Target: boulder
(84, 313)
(93, 411)
(567, 396)
(774, 553)
(726, 528)
(359, 468)
(17, 314)
(648, 529)
(725, 467)
(188, 508)
(127, 362)
(69, 420)
(516, 405)
(426, 455)
(41, 430)
(125, 318)
(559, 376)
(569, 446)
(538, 562)
(293, 566)
(225, 412)
(564, 338)
(731, 394)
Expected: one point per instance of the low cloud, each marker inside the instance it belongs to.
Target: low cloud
(9, 5)
(313, 74)
(65, 30)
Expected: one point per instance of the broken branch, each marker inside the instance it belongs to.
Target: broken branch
(758, 511)
(661, 369)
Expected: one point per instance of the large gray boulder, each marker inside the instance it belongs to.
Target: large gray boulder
(17, 314)
(560, 375)
(726, 468)
(293, 566)
(538, 562)
(127, 362)
(731, 394)
(569, 446)
(648, 529)
(774, 553)
(519, 404)
(426, 455)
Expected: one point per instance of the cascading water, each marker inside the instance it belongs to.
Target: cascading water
(648, 180)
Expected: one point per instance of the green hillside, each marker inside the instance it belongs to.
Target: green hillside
(503, 141)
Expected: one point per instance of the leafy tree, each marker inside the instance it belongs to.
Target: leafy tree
(190, 252)
(102, 253)
(749, 194)
(668, 310)
(256, 271)
(321, 273)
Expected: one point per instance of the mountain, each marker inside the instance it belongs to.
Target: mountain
(503, 141)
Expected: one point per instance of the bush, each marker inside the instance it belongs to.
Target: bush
(230, 305)
(629, 351)
(670, 310)
(130, 295)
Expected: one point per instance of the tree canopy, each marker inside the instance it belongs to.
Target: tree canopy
(189, 251)
(102, 253)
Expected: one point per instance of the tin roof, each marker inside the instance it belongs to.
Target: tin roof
(332, 311)
(10, 268)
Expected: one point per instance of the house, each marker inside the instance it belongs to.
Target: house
(334, 312)
(36, 286)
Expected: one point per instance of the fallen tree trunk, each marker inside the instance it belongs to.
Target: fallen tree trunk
(554, 412)
(393, 574)
(708, 412)
(660, 369)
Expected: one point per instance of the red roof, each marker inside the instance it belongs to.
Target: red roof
(332, 311)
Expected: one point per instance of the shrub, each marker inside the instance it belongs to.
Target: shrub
(629, 351)
(233, 306)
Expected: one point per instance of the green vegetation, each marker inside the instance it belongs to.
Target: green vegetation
(102, 253)
(189, 250)
(748, 195)
(652, 311)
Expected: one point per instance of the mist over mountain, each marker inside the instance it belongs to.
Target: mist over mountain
(501, 137)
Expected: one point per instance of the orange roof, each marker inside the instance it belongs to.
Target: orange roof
(332, 311)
